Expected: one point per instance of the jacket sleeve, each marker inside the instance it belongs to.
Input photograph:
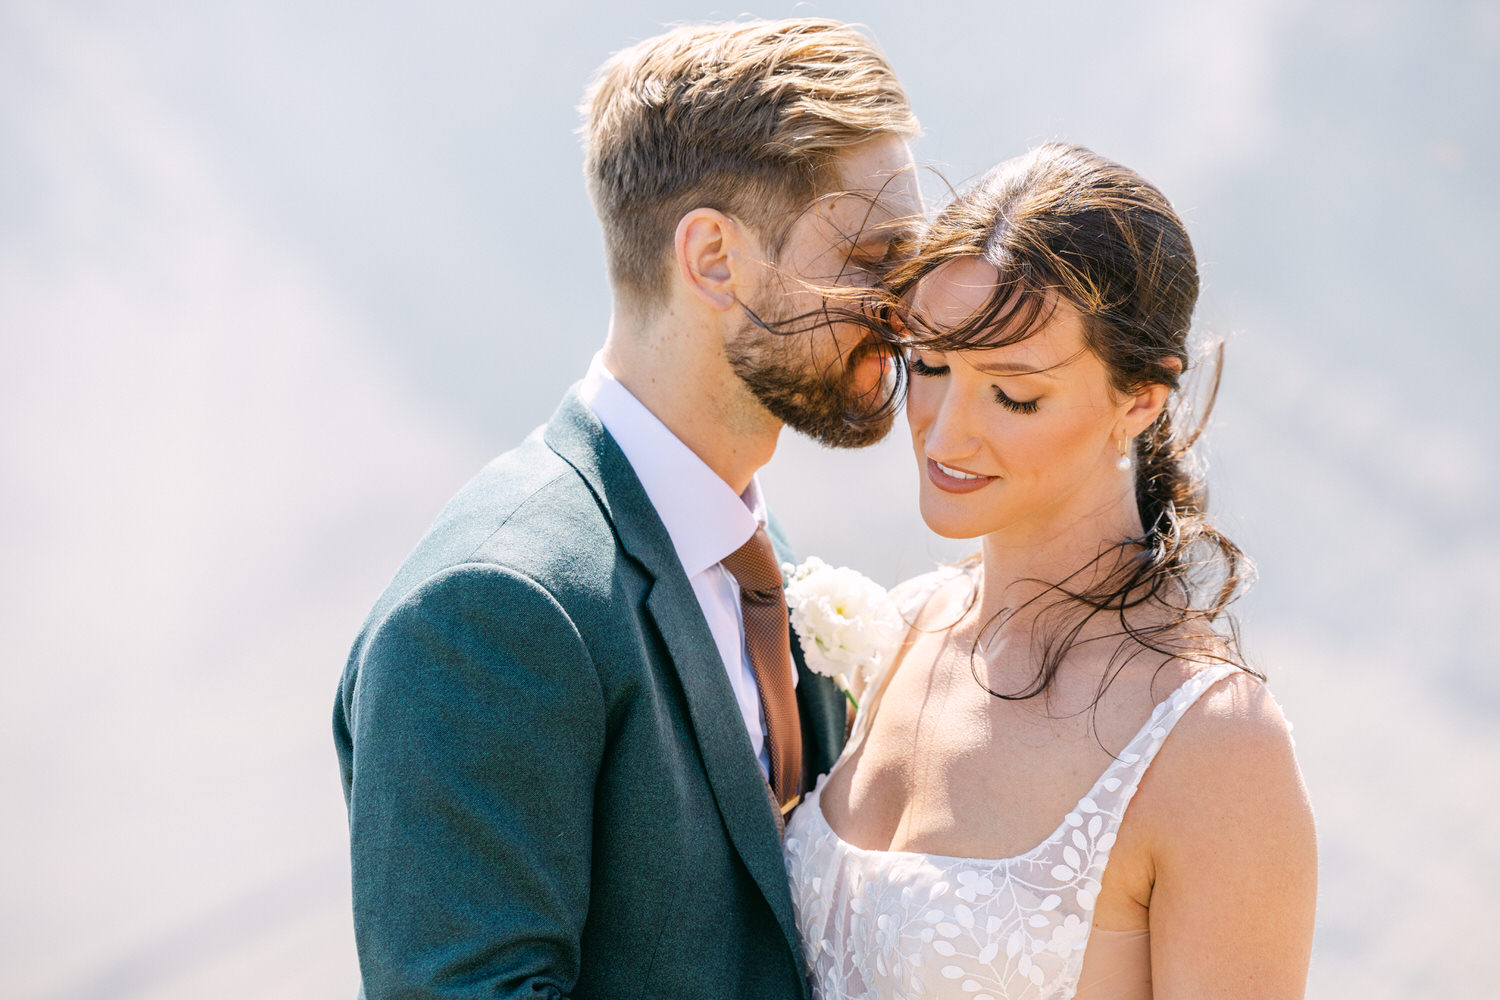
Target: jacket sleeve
(477, 728)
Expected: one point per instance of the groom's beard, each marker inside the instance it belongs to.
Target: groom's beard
(844, 402)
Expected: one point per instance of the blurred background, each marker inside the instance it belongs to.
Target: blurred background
(277, 278)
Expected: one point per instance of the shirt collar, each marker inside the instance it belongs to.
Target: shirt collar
(703, 516)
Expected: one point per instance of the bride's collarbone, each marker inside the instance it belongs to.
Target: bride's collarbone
(950, 769)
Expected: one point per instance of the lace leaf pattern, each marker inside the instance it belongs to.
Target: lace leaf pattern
(898, 924)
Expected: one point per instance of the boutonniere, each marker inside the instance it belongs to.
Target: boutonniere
(847, 623)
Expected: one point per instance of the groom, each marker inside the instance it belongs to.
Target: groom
(572, 726)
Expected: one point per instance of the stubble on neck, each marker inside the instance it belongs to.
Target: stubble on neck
(681, 375)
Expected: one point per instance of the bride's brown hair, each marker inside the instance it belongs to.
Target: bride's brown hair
(1064, 222)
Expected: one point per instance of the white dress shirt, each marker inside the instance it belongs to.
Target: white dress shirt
(703, 516)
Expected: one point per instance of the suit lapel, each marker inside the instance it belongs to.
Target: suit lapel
(739, 787)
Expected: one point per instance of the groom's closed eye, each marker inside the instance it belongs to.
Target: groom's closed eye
(875, 260)
(881, 248)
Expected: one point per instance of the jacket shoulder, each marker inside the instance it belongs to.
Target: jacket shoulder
(528, 511)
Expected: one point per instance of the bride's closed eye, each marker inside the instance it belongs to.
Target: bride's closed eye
(917, 366)
(922, 369)
(1014, 405)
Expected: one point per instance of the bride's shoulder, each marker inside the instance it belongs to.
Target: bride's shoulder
(1235, 703)
(1224, 807)
(1232, 747)
(943, 587)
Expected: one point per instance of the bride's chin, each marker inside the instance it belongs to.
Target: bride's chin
(955, 535)
(948, 527)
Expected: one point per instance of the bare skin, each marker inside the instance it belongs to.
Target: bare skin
(671, 355)
(1216, 854)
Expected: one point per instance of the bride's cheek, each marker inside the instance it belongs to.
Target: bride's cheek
(918, 413)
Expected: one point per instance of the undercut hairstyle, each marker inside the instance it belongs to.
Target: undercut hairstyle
(1062, 223)
(747, 118)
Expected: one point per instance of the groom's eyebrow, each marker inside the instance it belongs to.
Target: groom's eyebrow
(877, 239)
(878, 223)
(880, 239)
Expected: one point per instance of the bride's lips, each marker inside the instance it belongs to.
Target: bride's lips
(953, 484)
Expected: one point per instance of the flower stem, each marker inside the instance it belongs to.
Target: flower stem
(843, 686)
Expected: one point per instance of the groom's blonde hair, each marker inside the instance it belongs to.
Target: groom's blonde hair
(747, 118)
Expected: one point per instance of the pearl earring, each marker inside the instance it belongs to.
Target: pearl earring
(1124, 463)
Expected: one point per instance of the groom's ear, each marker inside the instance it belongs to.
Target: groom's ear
(713, 257)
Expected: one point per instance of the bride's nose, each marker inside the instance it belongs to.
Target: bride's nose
(949, 429)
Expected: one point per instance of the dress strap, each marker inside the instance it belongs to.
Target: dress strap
(1142, 749)
(1099, 813)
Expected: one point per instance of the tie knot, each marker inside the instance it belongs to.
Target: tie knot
(754, 565)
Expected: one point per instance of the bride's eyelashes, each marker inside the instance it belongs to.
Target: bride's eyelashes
(921, 369)
(1014, 405)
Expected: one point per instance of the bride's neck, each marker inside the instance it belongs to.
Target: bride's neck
(1076, 554)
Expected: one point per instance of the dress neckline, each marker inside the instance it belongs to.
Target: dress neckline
(1128, 757)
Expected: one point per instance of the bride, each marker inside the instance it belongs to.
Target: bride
(1067, 782)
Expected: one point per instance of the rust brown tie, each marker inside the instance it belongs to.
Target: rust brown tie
(763, 606)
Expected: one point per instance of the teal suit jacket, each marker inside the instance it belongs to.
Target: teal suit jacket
(550, 789)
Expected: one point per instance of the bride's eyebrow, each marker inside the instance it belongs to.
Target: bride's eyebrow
(1015, 368)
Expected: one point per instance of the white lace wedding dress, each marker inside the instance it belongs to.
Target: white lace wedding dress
(887, 925)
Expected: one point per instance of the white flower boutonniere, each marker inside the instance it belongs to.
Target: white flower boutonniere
(847, 624)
